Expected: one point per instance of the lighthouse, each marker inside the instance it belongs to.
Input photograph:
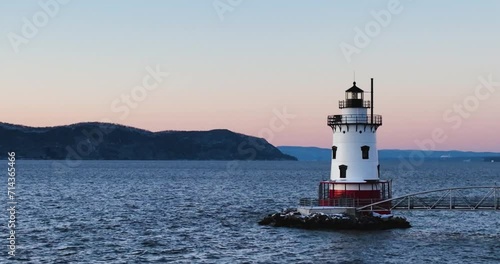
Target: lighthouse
(355, 170)
(354, 196)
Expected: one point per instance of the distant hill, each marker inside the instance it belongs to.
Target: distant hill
(319, 154)
(307, 153)
(101, 141)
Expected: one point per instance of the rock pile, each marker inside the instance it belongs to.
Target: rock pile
(292, 218)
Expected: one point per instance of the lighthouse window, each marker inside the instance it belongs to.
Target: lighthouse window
(364, 151)
(334, 152)
(343, 170)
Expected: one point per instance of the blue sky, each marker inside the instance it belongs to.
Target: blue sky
(264, 55)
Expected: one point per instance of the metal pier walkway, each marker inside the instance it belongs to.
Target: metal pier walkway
(459, 198)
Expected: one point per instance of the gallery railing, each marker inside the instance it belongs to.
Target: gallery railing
(354, 120)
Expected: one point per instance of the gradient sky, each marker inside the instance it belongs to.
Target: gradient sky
(262, 57)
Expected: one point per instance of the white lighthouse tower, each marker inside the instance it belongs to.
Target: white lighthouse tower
(355, 170)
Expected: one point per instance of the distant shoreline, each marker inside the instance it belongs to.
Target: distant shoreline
(315, 153)
(105, 141)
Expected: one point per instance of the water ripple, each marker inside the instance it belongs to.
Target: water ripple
(192, 212)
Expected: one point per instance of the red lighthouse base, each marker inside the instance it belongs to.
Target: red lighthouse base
(354, 194)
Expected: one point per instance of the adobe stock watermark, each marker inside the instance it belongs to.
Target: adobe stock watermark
(31, 26)
(454, 116)
(249, 147)
(225, 6)
(122, 105)
(373, 28)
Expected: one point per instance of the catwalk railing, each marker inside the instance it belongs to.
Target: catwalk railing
(459, 198)
(340, 202)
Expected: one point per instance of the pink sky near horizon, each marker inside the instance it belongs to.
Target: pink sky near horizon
(235, 73)
(404, 124)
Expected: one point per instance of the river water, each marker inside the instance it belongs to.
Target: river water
(207, 212)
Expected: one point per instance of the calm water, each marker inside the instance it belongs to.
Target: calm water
(198, 212)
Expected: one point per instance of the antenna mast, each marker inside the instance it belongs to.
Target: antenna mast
(371, 94)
